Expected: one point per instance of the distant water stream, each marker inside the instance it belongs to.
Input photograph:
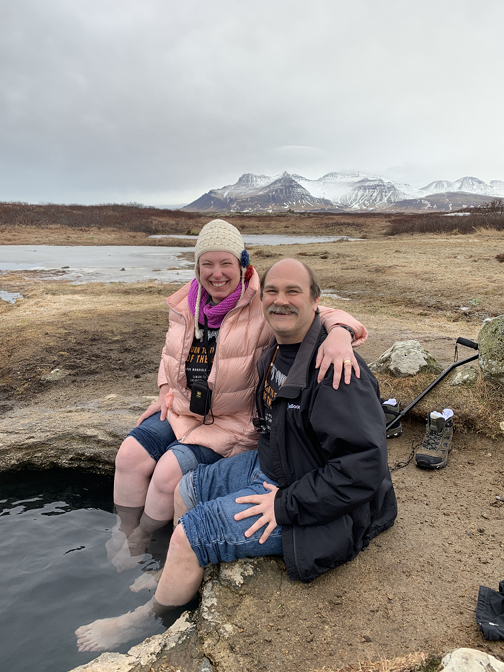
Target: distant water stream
(81, 264)
(271, 239)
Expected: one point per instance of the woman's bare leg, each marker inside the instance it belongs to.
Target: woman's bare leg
(134, 467)
(158, 510)
(159, 499)
(133, 470)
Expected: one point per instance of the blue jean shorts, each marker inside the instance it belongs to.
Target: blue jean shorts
(157, 437)
(210, 527)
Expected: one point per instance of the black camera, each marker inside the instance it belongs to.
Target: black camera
(201, 398)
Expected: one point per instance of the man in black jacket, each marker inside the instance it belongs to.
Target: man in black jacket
(318, 488)
(325, 448)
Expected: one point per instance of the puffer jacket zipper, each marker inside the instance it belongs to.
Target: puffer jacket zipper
(178, 372)
(216, 359)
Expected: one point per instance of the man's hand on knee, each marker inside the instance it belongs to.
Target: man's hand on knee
(265, 505)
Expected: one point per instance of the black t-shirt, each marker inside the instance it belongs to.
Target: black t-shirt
(196, 363)
(280, 367)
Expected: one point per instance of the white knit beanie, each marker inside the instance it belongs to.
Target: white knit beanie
(217, 236)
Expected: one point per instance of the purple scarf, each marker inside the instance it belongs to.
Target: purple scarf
(214, 314)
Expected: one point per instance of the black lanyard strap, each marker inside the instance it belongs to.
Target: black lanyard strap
(207, 347)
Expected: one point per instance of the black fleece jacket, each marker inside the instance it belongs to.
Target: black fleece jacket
(329, 453)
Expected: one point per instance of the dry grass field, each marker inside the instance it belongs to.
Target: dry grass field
(400, 287)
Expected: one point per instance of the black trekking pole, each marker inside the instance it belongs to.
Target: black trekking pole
(462, 341)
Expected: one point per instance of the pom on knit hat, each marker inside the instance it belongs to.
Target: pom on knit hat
(219, 236)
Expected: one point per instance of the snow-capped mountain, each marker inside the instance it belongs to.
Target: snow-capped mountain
(469, 185)
(338, 192)
(259, 192)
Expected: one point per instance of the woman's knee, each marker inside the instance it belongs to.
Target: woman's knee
(167, 474)
(132, 456)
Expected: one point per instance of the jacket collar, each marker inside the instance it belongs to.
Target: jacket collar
(297, 378)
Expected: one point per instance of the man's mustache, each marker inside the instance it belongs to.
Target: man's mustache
(283, 310)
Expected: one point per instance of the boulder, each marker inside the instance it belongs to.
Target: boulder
(84, 436)
(406, 358)
(467, 375)
(470, 660)
(491, 350)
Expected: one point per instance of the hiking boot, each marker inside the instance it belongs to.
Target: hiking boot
(391, 411)
(433, 453)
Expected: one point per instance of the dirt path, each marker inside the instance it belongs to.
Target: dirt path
(415, 588)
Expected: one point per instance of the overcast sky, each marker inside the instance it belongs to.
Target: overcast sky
(159, 101)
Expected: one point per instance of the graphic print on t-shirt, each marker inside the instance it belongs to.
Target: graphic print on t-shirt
(196, 363)
(280, 367)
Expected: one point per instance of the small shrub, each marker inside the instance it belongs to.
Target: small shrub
(434, 223)
(130, 217)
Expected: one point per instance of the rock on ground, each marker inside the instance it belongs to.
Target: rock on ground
(84, 436)
(468, 375)
(491, 350)
(469, 660)
(406, 358)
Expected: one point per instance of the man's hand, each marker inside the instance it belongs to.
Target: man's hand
(265, 505)
(159, 405)
(337, 349)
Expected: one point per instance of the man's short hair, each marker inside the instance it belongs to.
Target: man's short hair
(314, 283)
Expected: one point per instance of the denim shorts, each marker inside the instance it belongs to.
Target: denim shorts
(157, 437)
(210, 527)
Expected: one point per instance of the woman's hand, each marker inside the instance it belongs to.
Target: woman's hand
(161, 404)
(337, 350)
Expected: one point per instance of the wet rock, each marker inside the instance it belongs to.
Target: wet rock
(177, 645)
(491, 350)
(470, 660)
(406, 358)
(467, 376)
(85, 436)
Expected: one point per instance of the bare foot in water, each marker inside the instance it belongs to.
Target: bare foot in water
(138, 540)
(115, 543)
(108, 633)
(123, 559)
(148, 581)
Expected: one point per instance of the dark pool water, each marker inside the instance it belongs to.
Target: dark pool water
(54, 572)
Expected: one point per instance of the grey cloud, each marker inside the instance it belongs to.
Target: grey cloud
(160, 101)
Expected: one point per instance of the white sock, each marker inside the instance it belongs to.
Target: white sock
(446, 414)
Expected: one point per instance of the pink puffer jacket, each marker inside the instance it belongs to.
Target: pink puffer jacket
(233, 378)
